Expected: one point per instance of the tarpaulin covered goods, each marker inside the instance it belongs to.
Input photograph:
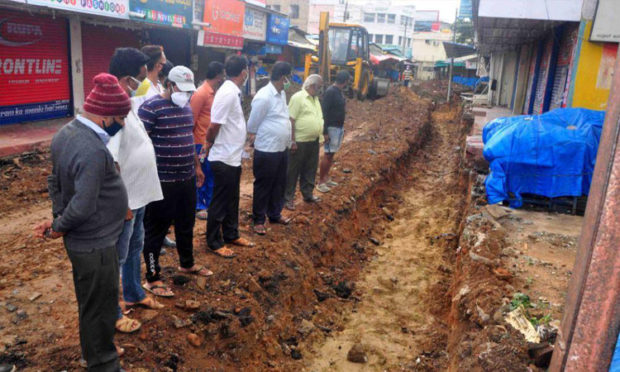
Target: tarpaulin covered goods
(550, 155)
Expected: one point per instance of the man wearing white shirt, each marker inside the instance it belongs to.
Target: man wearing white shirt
(270, 122)
(133, 152)
(225, 140)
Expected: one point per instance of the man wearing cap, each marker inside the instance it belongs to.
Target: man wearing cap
(89, 205)
(169, 121)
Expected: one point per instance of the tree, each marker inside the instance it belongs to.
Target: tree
(464, 31)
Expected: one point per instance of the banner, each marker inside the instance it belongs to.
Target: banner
(34, 68)
(107, 8)
(214, 39)
(175, 13)
(225, 18)
(254, 25)
(277, 29)
(465, 9)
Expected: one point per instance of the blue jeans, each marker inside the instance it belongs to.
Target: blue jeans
(129, 246)
(204, 193)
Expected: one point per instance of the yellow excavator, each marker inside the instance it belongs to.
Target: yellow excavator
(344, 46)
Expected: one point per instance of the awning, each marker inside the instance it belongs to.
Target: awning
(377, 59)
(455, 50)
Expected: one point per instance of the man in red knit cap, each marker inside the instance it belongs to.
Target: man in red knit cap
(89, 206)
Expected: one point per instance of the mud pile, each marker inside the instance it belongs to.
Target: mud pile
(253, 313)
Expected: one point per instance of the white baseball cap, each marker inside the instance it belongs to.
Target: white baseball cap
(183, 77)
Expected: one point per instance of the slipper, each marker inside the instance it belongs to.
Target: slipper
(198, 270)
(282, 221)
(202, 214)
(323, 188)
(147, 302)
(127, 325)
(260, 229)
(166, 293)
(331, 183)
(220, 252)
(242, 242)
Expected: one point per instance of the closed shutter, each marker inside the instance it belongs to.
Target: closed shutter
(98, 45)
(530, 80)
(565, 56)
(34, 68)
(541, 87)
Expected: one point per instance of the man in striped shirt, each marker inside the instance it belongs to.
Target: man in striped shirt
(169, 121)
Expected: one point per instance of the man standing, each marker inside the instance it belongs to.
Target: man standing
(333, 106)
(157, 59)
(225, 140)
(201, 103)
(133, 151)
(89, 205)
(169, 121)
(269, 121)
(307, 127)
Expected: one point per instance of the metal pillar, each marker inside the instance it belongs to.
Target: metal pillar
(591, 318)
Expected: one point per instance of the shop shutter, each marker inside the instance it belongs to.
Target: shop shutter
(98, 45)
(541, 86)
(565, 57)
(34, 68)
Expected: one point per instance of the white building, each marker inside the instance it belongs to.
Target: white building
(386, 22)
(305, 14)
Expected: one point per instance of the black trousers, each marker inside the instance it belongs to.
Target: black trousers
(223, 218)
(178, 205)
(96, 277)
(302, 166)
(269, 184)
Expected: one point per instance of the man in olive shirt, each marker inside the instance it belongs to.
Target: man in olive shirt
(307, 128)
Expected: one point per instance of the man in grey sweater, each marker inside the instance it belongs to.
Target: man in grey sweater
(89, 205)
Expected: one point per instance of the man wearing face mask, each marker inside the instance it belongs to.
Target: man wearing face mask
(225, 140)
(307, 129)
(133, 151)
(201, 103)
(89, 205)
(157, 60)
(169, 121)
(270, 122)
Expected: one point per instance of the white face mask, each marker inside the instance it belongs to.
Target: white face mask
(180, 98)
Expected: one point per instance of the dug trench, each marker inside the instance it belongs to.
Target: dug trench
(372, 264)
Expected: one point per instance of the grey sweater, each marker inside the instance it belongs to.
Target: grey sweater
(89, 200)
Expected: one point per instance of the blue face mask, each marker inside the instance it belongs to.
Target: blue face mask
(113, 128)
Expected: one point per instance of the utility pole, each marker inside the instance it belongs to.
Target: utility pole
(346, 7)
(405, 35)
(456, 14)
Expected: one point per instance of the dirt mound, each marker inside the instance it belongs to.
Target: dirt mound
(255, 310)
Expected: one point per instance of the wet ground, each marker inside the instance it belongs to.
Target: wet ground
(381, 265)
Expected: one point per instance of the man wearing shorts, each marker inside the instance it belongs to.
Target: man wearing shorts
(334, 107)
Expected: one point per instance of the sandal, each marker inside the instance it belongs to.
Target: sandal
(147, 302)
(127, 325)
(158, 290)
(260, 229)
(196, 270)
(242, 242)
(223, 252)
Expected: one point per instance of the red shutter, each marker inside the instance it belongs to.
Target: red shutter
(34, 67)
(98, 45)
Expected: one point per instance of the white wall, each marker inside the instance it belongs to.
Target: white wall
(428, 46)
(556, 10)
(396, 29)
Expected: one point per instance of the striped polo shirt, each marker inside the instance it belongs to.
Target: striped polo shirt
(171, 130)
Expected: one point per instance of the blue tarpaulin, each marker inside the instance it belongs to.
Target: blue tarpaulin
(549, 155)
(471, 82)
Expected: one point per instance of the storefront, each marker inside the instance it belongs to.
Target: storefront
(172, 26)
(98, 45)
(34, 67)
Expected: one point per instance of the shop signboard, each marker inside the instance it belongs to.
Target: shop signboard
(107, 8)
(254, 24)
(606, 26)
(175, 13)
(225, 19)
(34, 68)
(277, 29)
